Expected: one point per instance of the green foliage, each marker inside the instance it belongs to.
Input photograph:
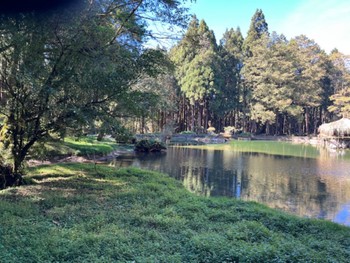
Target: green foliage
(310, 70)
(258, 28)
(197, 69)
(73, 215)
(340, 79)
(229, 84)
(188, 132)
(69, 68)
(123, 135)
(285, 78)
(263, 83)
(341, 103)
(195, 57)
(145, 145)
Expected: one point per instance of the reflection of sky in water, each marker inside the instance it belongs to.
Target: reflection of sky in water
(343, 216)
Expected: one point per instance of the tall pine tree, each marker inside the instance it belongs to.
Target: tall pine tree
(227, 103)
(258, 28)
(196, 59)
(310, 70)
(340, 79)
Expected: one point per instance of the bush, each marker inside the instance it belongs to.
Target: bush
(5, 176)
(123, 135)
(8, 178)
(149, 146)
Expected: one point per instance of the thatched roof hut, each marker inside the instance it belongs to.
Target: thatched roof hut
(340, 128)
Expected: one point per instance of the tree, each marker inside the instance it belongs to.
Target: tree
(196, 60)
(65, 68)
(340, 79)
(270, 73)
(310, 70)
(227, 100)
(257, 29)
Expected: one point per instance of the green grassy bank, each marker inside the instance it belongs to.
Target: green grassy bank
(82, 146)
(76, 213)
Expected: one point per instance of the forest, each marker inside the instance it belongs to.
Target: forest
(263, 83)
(86, 70)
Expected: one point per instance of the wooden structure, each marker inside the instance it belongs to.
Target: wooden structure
(335, 134)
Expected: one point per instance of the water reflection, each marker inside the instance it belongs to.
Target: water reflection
(310, 187)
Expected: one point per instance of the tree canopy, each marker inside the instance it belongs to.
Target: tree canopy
(65, 68)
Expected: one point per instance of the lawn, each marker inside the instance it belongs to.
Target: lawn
(85, 213)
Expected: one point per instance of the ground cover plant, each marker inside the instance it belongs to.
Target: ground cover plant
(77, 213)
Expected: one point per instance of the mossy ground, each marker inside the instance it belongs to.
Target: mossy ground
(83, 213)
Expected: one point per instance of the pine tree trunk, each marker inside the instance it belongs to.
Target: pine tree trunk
(206, 114)
(307, 121)
(193, 118)
(267, 130)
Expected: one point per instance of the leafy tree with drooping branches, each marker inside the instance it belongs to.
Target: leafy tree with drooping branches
(65, 68)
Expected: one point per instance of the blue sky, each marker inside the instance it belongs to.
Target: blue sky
(325, 21)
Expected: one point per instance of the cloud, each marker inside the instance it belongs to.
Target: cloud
(326, 22)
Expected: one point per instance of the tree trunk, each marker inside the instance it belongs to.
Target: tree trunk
(267, 129)
(193, 118)
(307, 121)
(100, 135)
(206, 114)
(142, 124)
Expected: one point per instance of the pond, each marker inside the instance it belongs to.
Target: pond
(295, 178)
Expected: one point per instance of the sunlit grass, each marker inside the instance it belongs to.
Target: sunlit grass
(266, 147)
(89, 145)
(83, 213)
(82, 146)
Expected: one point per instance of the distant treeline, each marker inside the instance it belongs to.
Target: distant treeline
(263, 83)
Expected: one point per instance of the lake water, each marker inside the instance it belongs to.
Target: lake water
(299, 179)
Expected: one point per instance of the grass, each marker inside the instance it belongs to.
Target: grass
(82, 146)
(82, 213)
(266, 147)
(89, 145)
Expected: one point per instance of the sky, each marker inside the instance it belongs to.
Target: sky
(327, 22)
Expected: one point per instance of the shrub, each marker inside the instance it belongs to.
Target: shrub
(149, 146)
(123, 135)
(5, 176)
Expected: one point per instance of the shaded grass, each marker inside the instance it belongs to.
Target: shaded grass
(82, 146)
(73, 214)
